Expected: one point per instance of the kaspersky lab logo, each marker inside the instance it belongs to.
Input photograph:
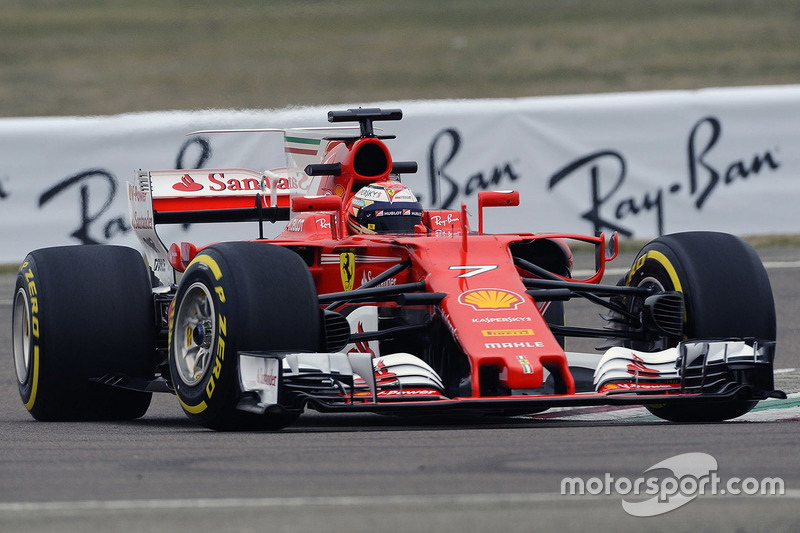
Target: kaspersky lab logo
(672, 483)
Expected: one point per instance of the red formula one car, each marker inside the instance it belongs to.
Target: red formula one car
(367, 302)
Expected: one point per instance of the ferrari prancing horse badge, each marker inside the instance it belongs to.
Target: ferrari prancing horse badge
(347, 266)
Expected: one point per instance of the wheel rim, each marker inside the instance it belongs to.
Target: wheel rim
(21, 326)
(193, 334)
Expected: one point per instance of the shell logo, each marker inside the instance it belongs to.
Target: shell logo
(490, 299)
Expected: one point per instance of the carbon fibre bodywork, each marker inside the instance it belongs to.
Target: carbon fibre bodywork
(475, 320)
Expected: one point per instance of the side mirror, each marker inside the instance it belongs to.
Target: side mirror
(304, 204)
(495, 199)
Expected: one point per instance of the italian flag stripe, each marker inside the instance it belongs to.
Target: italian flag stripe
(302, 140)
(300, 151)
(302, 145)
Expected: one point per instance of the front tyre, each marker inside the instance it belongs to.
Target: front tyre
(726, 294)
(235, 297)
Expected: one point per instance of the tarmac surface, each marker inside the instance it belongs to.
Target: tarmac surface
(370, 472)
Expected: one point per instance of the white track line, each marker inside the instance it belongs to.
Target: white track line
(416, 500)
(770, 410)
(769, 265)
(777, 265)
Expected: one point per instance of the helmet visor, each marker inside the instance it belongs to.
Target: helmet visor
(392, 220)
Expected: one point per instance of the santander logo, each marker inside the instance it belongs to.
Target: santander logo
(187, 184)
(240, 182)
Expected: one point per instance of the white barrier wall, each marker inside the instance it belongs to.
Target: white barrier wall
(642, 164)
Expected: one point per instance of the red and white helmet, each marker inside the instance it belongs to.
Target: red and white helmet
(383, 207)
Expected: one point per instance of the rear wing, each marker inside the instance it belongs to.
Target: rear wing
(217, 195)
(204, 196)
(193, 196)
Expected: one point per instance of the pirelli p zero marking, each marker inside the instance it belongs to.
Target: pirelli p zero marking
(210, 263)
(235, 297)
(660, 258)
(26, 335)
(197, 337)
(81, 313)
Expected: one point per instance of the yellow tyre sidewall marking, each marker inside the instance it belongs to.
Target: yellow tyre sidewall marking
(35, 334)
(210, 263)
(193, 409)
(661, 259)
(217, 273)
(35, 379)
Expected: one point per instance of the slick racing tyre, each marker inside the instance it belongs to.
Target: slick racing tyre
(81, 312)
(234, 297)
(726, 294)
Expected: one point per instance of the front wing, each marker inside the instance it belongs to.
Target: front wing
(696, 371)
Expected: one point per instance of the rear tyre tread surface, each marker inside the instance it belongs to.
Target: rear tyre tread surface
(81, 312)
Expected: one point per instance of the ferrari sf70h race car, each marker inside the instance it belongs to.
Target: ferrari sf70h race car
(365, 302)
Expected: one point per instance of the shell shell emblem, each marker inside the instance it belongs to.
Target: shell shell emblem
(490, 299)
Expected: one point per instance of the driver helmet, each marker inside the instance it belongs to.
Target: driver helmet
(383, 207)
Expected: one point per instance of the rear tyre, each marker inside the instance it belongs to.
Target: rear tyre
(234, 297)
(726, 294)
(81, 312)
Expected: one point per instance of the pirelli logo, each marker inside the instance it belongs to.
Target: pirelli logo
(507, 332)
